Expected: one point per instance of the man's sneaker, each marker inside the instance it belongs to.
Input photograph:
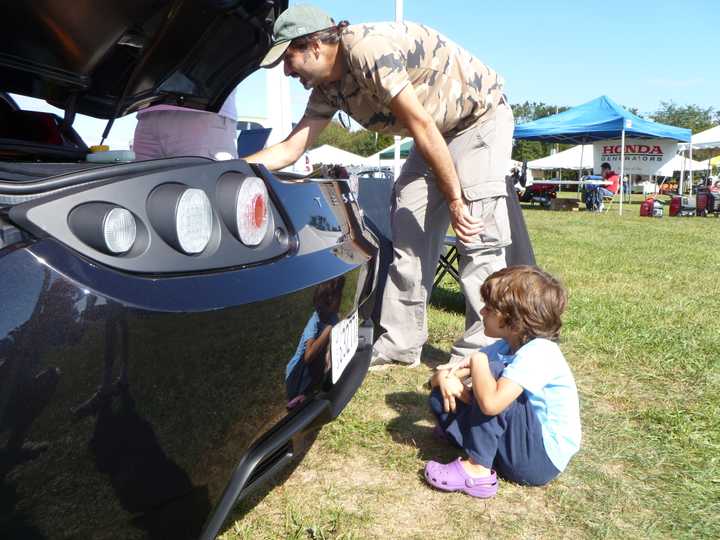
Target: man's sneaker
(379, 362)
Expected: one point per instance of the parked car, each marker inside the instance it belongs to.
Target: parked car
(154, 366)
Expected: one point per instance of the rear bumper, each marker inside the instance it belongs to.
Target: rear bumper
(278, 447)
(139, 407)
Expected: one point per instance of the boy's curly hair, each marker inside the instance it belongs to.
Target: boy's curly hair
(527, 299)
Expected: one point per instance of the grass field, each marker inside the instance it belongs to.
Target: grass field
(641, 334)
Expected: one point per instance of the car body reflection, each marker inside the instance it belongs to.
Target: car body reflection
(310, 363)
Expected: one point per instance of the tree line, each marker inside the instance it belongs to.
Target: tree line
(361, 142)
(366, 143)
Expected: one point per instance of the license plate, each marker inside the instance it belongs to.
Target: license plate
(343, 343)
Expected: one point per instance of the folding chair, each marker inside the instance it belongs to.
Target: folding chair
(607, 201)
(447, 263)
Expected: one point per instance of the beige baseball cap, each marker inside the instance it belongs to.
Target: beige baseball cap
(294, 22)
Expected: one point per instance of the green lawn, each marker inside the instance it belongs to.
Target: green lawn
(641, 334)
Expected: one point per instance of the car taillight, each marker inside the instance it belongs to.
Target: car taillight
(252, 211)
(119, 230)
(193, 221)
(245, 208)
(202, 217)
(183, 216)
(106, 227)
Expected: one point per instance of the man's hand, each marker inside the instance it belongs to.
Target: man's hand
(287, 152)
(451, 388)
(466, 226)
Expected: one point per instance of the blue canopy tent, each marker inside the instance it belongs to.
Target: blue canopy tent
(597, 120)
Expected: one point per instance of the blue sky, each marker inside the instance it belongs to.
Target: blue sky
(561, 52)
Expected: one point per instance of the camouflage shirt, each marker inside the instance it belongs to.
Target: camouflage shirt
(382, 58)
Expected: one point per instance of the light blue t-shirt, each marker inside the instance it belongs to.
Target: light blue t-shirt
(540, 368)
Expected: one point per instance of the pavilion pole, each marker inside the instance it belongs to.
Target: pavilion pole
(690, 183)
(622, 168)
(683, 161)
(582, 152)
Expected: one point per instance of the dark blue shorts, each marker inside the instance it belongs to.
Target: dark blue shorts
(510, 442)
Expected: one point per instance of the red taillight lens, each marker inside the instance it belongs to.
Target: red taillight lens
(252, 211)
(260, 215)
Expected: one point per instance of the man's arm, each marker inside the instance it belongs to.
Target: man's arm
(410, 112)
(289, 151)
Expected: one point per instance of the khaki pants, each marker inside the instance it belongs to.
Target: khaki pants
(420, 219)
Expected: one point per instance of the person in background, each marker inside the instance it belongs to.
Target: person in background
(164, 131)
(594, 193)
(408, 79)
(520, 414)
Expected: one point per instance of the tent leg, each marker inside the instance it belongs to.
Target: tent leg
(690, 183)
(682, 173)
(622, 169)
(582, 152)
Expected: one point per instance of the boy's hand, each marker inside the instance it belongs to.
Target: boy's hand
(451, 388)
(466, 395)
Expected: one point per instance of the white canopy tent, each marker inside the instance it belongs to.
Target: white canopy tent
(710, 138)
(330, 155)
(572, 158)
(681, 163)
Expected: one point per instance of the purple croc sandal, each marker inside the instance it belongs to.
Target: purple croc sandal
(452, 477)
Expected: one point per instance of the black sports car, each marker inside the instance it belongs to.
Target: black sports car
(172, 332)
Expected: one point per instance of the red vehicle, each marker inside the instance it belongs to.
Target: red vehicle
(539, 193)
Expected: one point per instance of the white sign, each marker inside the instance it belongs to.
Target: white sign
(642, 156)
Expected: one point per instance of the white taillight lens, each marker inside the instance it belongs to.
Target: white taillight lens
(193, 221)
(111, 229)
(119, 230)
(252, 211)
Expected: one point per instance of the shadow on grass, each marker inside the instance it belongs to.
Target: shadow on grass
(409, 429)
(448, 299)
(432, 357)
(533, 207)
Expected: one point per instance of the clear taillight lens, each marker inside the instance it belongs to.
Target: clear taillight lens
(104, 226)
(119, 230)
(252, 211)
(193, 221)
